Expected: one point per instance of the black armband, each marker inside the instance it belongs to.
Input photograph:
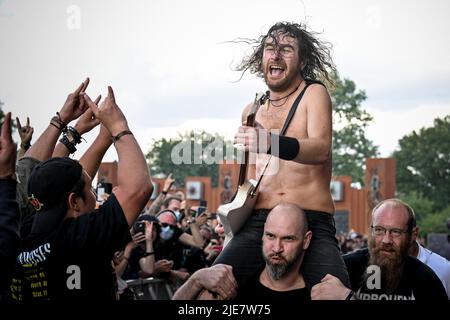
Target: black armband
(146, 254)
(73, 135)
(70, 139)
(69, 145)
(288, 148)
(25, 146)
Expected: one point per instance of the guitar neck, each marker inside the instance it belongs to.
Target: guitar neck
(250, 123)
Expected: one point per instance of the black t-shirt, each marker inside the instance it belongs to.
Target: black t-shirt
(74, 262)
(170, 249)
(418, 281)
(253, 290)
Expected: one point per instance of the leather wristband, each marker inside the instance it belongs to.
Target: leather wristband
(73, 135)
(146, 254)
(120, 135)
(57, 122)
(25, 146)
(69, 144)
(288, 148)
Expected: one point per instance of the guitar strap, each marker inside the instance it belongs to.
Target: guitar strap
(293, 109)
(283, 130)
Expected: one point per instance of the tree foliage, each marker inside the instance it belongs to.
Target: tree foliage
(351, 147)
(423, 163)
(190, 154)
(2, 115)
(428, 219)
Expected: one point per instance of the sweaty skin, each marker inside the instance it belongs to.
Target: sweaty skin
(304, 180)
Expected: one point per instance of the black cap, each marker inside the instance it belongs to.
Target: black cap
(147, 217)
(49, 186)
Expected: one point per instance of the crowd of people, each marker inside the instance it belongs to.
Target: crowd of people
(57, 242)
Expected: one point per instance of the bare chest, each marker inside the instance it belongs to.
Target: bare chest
(272, 118)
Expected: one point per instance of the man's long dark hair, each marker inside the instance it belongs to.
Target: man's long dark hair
(314, 53)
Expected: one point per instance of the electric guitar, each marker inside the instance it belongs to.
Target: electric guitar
(234, 214)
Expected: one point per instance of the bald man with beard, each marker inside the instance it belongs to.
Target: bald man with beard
(385, 271)
(285, 240)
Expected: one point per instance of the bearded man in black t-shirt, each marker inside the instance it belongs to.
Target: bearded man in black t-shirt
(285, 240)
(385, 271)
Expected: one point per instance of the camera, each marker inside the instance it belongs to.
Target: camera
(103, 189)
(139, 227)
(201, 208)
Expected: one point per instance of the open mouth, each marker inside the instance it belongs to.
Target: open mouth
(276, 70)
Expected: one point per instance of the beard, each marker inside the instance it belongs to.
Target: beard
(391, 266)
(276, 271)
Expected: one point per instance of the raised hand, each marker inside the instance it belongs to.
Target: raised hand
(148, 231)
(75, 105)
(87, 121)
(168, 183)
(138, 238)
(201, 219)
(7, 149)
(25, 132)
(109, 113)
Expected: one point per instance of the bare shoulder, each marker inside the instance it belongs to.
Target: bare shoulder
(317, 90)
(318, 97)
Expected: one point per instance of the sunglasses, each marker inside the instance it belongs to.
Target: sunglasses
(164, 225)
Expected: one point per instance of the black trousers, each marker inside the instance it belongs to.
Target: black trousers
(244, 251)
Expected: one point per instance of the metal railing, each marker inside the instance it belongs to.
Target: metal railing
(150, 289)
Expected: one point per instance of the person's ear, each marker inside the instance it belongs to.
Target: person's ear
(307, 240)
(414, 233)
(73, 202)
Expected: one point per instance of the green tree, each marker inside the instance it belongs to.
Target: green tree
(190, 154)
(423, 163)
(2, 115)
(434, 223)
(422, 206)
(351, 147)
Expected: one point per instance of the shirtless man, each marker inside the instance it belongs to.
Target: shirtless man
(290, 59)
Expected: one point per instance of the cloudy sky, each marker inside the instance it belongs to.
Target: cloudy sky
(170, 63)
